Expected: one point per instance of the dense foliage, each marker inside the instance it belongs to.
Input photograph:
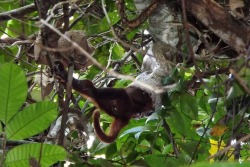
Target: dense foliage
(204, 120)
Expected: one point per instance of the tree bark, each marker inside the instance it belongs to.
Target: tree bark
(221, 22)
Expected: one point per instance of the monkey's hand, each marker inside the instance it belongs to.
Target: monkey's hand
(60, 72)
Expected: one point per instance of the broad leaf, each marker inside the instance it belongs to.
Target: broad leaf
(111, 151)
(46, 154)
(13, 90)
(161, 161)
(132, 156)
(235, 91)
(188, 105)
(181, 124)
(222, 164)
(114, 18)
(188, 147)
(100, 162)
(32, 120)
(134, 130)
(118, 52)
(143, 146)
(130, 5)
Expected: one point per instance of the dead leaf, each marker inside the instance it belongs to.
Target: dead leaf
(66, 49)
(33, 162)
(218, 130)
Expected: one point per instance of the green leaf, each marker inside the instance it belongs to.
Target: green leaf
(188, 106)
(111, 151)
(161, 161)
(181, 124)
(131, 34)
(101, 146)
(1, 59)
(153, 117)
(143, 146)
(235, 91)
(100, 162)
(130, 5)
(6, 54)
(13, 90)
(32, 120)
(128, 69)
(168, 80)
(48, 154)
(222, 164)
(114, 18)
(132, 157)
(121, 83)
(8, 5)
(203, 105)
(118, 52)
(167, 149)
(188, 147)
(126, 146)
(133, 130)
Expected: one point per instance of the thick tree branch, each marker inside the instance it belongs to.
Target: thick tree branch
(218, 20)
(17, 13)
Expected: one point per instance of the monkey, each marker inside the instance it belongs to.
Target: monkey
(120, 103)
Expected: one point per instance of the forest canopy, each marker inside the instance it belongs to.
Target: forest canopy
(165, 80)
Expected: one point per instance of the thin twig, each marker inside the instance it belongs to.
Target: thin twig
(205, 129)
(142, 17)
(186, 28)
(170, 135)
(88, 9)
(114, 33)
(66, 105)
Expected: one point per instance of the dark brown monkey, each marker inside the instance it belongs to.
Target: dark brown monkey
(120, 103)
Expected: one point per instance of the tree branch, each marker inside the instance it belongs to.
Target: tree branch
(17, 13)
(218, 20)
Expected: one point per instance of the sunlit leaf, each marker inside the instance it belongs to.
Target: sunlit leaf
(130, 5)
(119, 52)
(143, 146)
(47, 154)
(32, 120)
(13, 90)
(131, 34)
(217, 146)
(114, 18)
